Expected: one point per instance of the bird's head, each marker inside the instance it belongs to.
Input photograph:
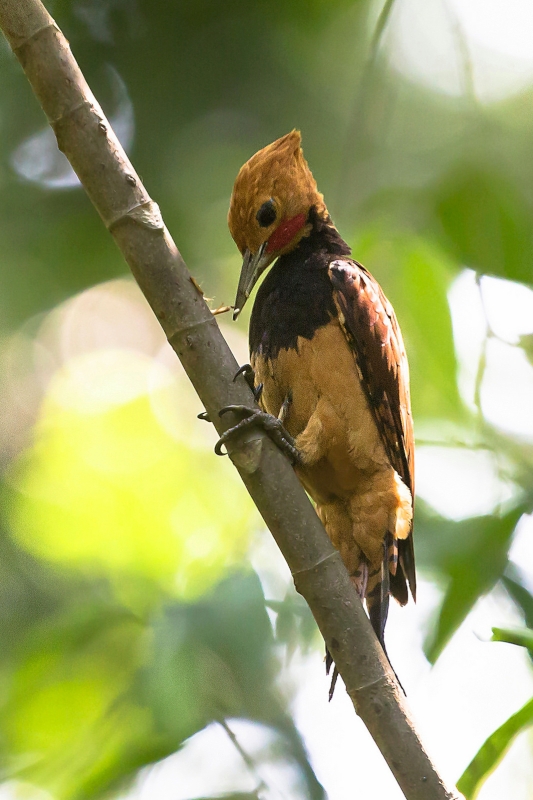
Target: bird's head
(268, 214)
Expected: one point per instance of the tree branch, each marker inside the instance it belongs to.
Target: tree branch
(88, 141)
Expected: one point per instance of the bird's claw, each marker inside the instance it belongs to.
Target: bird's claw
(248, 371)
(270, 424)
(249, 374)
(258, 391)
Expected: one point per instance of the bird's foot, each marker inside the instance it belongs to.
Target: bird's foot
(253, 417)
(249, 375)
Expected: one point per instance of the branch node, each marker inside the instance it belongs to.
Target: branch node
(146, 214)
(176, 338)
(70, 112)
(34, 34)
(247, 455)
(384, 679)
(316, 565)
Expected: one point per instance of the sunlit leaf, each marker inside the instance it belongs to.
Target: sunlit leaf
(493, 750)
(232, 796)
(67, 713)
(106, 490)
(519, 636)
(472, 554)
(526, 343)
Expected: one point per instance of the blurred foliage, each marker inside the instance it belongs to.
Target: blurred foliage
(233, 796)
(128, 620)
(111, 475)
(523, 599)
(493, 751)
(414, 271)
(472, 555)
(294, 626)
(93, 691)
(472, 202)
(495, 747)
(519, 636)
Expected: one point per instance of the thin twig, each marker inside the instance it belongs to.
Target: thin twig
(379, 30)
(246, 757)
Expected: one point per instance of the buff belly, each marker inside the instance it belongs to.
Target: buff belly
(358, 494)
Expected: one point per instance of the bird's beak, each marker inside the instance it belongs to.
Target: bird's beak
(252, 266)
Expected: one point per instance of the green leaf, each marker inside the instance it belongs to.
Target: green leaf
(472, 555)
(233, 796)
(526, 343)
(487, 221)
(295, 625)
(96, 693)
(493, 750)
(68, 714)
(214, 660)
(520, 636)
(521, 596)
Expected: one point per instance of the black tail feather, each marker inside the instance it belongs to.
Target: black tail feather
(377, 587)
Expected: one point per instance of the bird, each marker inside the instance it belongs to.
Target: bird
(329, 371)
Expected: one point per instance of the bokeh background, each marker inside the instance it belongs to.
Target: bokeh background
(151, 644)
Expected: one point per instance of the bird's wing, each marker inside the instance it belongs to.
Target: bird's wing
(371, 328)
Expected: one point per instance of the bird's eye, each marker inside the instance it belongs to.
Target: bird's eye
(266, 214)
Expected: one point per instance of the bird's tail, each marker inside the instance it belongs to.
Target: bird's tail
(378, 589)
(374, 587)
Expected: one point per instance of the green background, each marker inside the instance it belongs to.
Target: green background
(130, 615)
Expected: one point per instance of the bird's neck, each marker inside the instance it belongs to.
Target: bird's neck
(323, 237)
(296, 297)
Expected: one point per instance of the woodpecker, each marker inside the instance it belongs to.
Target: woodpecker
(329, 366)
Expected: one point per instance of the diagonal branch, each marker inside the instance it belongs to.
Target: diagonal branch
(88, 141)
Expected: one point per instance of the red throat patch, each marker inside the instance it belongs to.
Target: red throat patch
(285, 232)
